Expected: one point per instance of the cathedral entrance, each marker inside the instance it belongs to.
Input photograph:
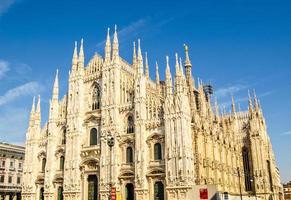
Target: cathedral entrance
(159, 191)
(92, 187)
(129, 191)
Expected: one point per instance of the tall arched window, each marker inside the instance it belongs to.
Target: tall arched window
(130, 124)
(96, 97)
(43, 163)
(129, 155)
(62, 162)
(41, 194)
(270, 175)
(93, 136)
(60, 193)
(247, 169)
(159, 191)
(158, 151)
(64, 136)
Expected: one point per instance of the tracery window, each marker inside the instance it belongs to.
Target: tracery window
(129, 155)
(158, 151)
(130, 124)
(93, 136)
(96, 97)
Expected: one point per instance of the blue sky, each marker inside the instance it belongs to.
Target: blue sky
(235, 45)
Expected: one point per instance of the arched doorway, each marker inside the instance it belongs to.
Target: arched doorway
(129, 191)
(92, 187)
(41, 195)
(159, 191)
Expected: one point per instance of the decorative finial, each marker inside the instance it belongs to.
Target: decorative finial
(38, 105)
(108, 47)
(134, 55)
(177, 65)
(33, 105)
(157, 73)
(232, 104)
(139, 58)
(75, 55)
(181, 67)
(115, 46)
(147, 65)
(81, 53)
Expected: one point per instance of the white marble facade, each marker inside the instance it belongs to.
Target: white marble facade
(167, 136)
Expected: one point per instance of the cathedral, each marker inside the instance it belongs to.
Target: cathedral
(118, 134)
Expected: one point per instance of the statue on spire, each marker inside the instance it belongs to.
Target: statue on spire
(187, 59)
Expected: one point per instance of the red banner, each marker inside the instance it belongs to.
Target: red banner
(113, 193)
(203, 193)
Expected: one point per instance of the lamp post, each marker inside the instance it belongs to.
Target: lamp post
(110, 143)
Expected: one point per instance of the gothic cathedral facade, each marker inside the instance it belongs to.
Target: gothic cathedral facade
(147, 139)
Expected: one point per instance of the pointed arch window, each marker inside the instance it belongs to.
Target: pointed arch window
(247, 169)
(159, 190)
(60, 193)
(64, 136)
(62, 162)
(41, 194)
(96, 97)
(93, 136)
(158, 151)
(130, 124)
(129, 155)
(43, 163)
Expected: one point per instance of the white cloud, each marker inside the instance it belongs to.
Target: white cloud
(29, 88)
(133, 27)
(230, 90)
(5, 5)
(287, 133)
(128, 31)
(4, 67)
(14, 122)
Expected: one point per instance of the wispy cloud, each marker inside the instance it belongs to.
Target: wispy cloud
(286, 133)
(22, 90)
(4, 67)
(244, 99)
(128, 31)
(230, 90)
(13, 134)
(5, 5)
